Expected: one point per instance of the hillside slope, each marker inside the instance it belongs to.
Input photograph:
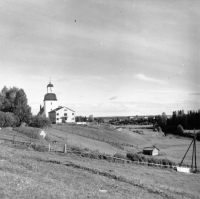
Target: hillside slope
(30, 174)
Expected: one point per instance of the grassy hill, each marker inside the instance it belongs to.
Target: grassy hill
(171, 147)
(31, 174)
(25, 173)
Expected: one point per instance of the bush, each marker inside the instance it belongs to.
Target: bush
(180, 130)
(40, 122)
(119, 155)
(8, 119)
(132, 156)
(40, 148)
(142, 158)
(75, 148)
(94, 156)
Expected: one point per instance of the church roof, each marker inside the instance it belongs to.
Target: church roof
(55, 109)
(41, 111)
(50, 97)
(60, 108)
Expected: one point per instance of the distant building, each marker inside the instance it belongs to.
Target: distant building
(51, 110)
(151, 151)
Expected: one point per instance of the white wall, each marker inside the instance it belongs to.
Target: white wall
(49, 106)
(67, 113)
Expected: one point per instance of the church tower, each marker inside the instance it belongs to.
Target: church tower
(50, 100)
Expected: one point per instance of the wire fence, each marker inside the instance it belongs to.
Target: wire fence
(113, 159)
(20, 139)
(113, 142)
(62, 148)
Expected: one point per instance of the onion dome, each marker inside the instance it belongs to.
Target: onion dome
(50, 97)
(50, 85)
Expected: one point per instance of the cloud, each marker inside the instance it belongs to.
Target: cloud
(194, 93)
(63, 80)
(113, 98)
(148, 79)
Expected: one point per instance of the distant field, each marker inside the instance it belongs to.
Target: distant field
(171, 147)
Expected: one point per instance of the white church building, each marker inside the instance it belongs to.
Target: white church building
(57, 114)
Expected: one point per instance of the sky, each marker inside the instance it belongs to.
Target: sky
(104, 57)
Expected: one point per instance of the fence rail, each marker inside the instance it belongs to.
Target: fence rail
(116, 159)
(95, 137)
(64, 149)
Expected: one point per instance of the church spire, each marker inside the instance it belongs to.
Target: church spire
(50, 86)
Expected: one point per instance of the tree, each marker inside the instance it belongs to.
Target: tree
(21, 109)
(7, 98)
(90, 119)
(2, 96)
(180, 130)
(164, 118)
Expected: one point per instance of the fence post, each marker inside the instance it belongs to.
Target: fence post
(65, 148)
(49, 147)
(13, 139)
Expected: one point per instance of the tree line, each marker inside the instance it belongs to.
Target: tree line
(14, 109)
(191, 120)
(179, 121)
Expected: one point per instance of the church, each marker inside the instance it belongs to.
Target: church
(57, 114)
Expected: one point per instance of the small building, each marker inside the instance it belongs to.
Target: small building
(62, 115)
(151, 151)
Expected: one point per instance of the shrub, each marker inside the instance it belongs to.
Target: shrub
(132, 156)
(8, 119)
(142, 158)
(101, 156)
(119, 155)
(94, 156)
(40, 122)
(40, 148)
(75, 148)
(180, 129)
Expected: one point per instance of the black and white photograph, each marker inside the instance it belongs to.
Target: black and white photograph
(99, 99)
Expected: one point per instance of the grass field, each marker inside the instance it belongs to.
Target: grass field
(171, 147)
(31, 174)
(25, 173)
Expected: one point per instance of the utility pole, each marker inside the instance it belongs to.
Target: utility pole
(194, 159)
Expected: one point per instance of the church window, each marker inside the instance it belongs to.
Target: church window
(57, 119)
(72, 113)
(65, 114)
(51, 103)
(57, 113)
